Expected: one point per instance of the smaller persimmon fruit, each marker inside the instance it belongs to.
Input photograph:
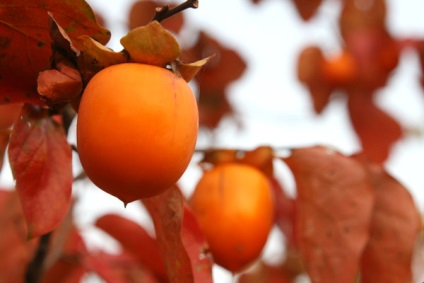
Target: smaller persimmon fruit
(340, 69)
(233, 204)
(136, 130)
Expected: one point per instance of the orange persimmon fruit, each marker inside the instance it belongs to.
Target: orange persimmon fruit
(136, 130)
(233, 204)
(340, 69)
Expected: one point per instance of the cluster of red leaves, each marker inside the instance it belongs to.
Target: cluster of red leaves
(177, 254)
(226, 67)
(369, 56)
(350, 218)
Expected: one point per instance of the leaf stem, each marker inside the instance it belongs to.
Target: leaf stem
(35, 268)
(165, 12)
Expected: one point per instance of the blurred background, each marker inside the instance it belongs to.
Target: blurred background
(257, 99)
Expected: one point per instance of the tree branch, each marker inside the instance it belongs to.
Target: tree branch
(165, 12)
(35, 268)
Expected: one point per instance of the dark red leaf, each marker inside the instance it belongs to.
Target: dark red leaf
(135, 241)
(395, 226)
(25, 45)
(376, 129)
(213, 106)
(226, 67)
(310, 72)
(142, 12)
(307, 8)
(181, 244)
(333, 212)
(41, 162)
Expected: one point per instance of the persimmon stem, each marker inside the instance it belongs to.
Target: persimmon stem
(35, 268)
(165, 12)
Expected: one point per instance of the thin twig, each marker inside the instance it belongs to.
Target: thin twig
(35, 268)
(165, 12)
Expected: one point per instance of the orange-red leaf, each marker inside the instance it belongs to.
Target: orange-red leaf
(40, 158)
(333, 212)
(394, 231)
(180, 241)
(135, 240)
(25, 41)
(376, 129)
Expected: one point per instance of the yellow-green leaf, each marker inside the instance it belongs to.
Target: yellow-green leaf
(188, 70)
(151, 44)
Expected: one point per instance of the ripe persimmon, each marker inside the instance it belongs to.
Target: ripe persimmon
(234, 206)
(136, 130)
(340, 69)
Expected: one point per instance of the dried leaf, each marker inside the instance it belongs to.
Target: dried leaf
(151, 44)
(333, 212)
(94, 57)
(262, 158)
(41, 162)
(135, 241)
(217, 156)
(395, 227)
(265, 273)
(59, 85)
(181, 244)
(26, 45)
(376, 129)
(189, 70)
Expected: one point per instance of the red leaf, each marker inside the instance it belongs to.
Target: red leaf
(25, 46)
(40, 158)
(395, 226)
(307, 8)
(136, 241)
(196, 247)
(15, 250)
(180, 241)
(333, 212)
(265, 273)
(120, 268)
(376, 129)
(284, 211)
(310, 66)
(142, 12)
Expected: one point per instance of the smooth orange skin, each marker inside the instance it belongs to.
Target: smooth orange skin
(136, 130)
(340, 69)
(234, 206)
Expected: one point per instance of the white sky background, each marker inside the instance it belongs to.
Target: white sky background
(273, 108)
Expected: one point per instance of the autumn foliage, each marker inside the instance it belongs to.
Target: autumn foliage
(137, 113)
